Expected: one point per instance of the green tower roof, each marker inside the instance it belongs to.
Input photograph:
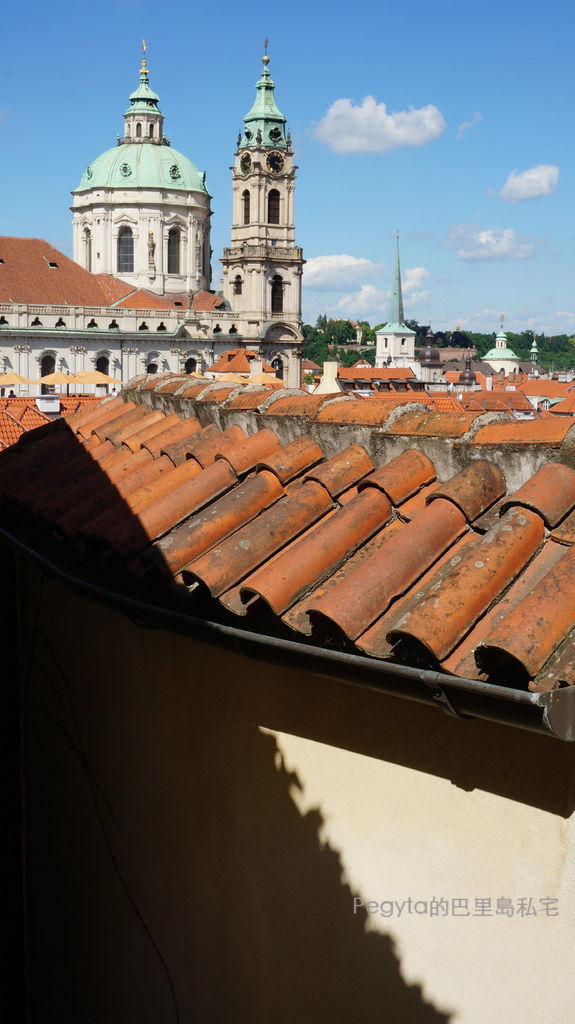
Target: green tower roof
(264, 124)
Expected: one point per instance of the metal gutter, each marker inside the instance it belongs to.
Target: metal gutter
(552, 714)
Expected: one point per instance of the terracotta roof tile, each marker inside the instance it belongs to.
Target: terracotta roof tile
(433, 424)
(442, 619)
(283, 580)
(364, 594)
(297, 405)
(10, 428)
(474, 489)
(530, 632)
(354, 411)
(550, 492)
(382, 558)
(403, 476)
(292, 459)
(249, 399)
(342, 470)
(548, 431)
(233, 559)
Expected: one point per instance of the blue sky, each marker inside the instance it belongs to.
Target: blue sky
(465, 147)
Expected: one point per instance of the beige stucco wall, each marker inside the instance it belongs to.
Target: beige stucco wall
(198, 825)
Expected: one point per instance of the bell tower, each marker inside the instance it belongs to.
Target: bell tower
(263, 266)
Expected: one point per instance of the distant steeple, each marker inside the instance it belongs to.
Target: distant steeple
(264, 123)
(534, 353)
(396, 314)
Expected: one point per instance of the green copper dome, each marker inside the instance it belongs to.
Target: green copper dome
(144, 159)
(143, 165)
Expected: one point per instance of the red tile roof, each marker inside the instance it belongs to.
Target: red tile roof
(381, 557)
(33, 271)
(11, 429)
(237, 360)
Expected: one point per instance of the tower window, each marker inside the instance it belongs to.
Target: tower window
(47, 366)
(274, 207)
(238, 285)
(138, 130)
(174, 251)
(277, 294)
(246, 202)
(278, 366)
(125, 251)
(151, 131)
(190, 365)
(87, 249)
(103, 364)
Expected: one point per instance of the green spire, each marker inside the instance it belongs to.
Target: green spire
(264, 124)
(396, 314)
(143, 99)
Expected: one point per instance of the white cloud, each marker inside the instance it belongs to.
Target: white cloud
(474, 243)
(537, 181)
(412, 281)
(466, 125)
(367, 300)
(369, 128)
(332, 273)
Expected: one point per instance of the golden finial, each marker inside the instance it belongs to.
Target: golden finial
(265, 57)
(143, 65)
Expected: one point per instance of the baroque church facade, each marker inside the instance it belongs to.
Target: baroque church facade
(137, 296)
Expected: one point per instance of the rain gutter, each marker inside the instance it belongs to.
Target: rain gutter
(552, 714)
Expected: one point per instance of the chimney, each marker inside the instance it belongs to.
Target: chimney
(256, 366)
(328, 382)
(489, 383)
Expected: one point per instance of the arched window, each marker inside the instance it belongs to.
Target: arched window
(152, 368)
(190, 365)
(173, 251)
(125, 251)
(246, 202)
(87, 249)
(151, 131)
(47, 365)
(138, 130)
(238, 285)
(103, 364)
(277, 294)
(278, 366)
(274, 207)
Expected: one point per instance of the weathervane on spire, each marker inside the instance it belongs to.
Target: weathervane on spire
(501, 319)
(265, 57)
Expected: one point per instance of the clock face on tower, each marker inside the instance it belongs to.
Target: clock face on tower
(275, 162)
(246, 163)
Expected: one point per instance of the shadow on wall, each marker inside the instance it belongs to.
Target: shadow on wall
(171, 876)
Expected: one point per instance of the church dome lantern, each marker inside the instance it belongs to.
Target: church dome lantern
(141, 210)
